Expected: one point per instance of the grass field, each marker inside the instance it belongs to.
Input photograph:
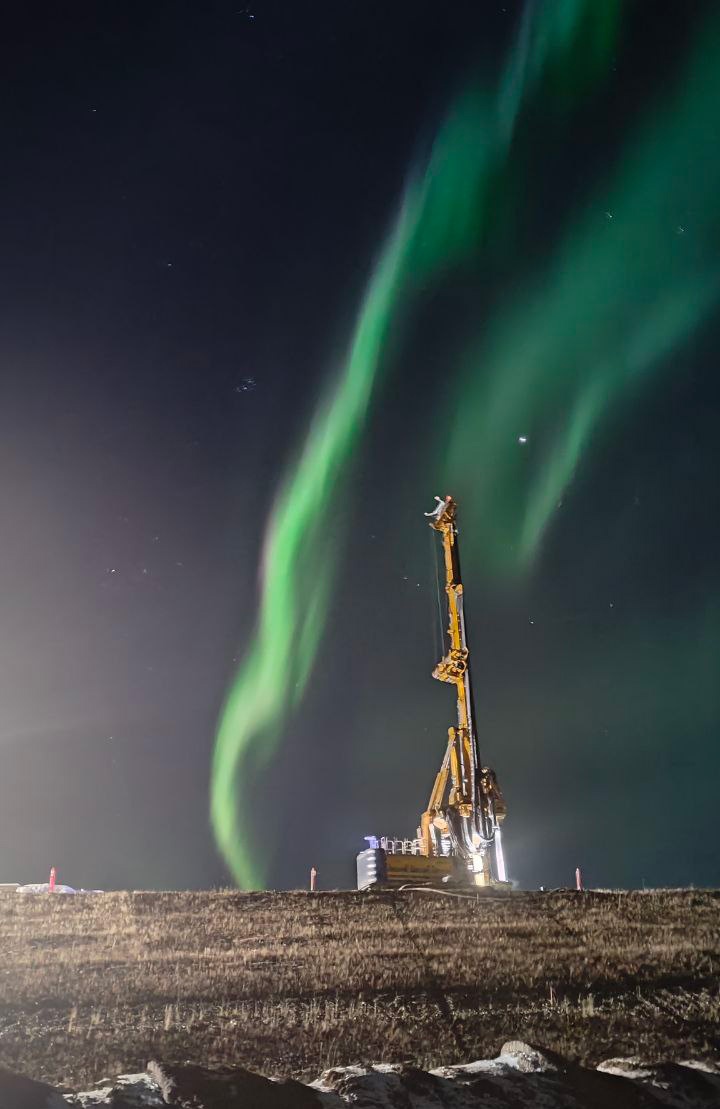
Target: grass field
(293, 983)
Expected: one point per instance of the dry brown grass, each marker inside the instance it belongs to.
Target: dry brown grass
(294, 982)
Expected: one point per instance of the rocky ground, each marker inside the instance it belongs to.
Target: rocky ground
(295, 984)
(522, 1077)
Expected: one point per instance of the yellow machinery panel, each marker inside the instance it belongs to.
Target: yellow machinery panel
(381, 869)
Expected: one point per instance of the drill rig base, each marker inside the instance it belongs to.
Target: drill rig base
(379, 869)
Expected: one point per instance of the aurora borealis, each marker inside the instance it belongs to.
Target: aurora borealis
(619, 292)
(441, 218)
(610, 306)
(273, 278)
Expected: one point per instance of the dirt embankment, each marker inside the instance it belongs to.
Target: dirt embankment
(294, 983)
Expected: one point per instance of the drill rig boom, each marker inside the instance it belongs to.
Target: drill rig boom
(466, 806)
(459, 837)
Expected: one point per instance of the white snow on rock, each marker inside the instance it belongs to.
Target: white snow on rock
(127, 1090)
(682, 1085)
(521, 1077)
(514, 1056)
(44, 887)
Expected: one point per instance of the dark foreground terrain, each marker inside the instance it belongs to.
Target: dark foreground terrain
(521, 1077)
(294, 983)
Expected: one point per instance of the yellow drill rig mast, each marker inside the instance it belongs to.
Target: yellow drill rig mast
(466, 806)
(459, 838)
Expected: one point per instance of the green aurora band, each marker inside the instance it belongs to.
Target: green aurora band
(561, 50)
(635, 274)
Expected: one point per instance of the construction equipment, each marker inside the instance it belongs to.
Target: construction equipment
(459, 841)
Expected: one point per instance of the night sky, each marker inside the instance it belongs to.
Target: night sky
(193, 199)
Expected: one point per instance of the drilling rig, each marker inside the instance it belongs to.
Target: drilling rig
(459, 841)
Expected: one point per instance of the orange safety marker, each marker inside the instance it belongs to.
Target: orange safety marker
(53, 877)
